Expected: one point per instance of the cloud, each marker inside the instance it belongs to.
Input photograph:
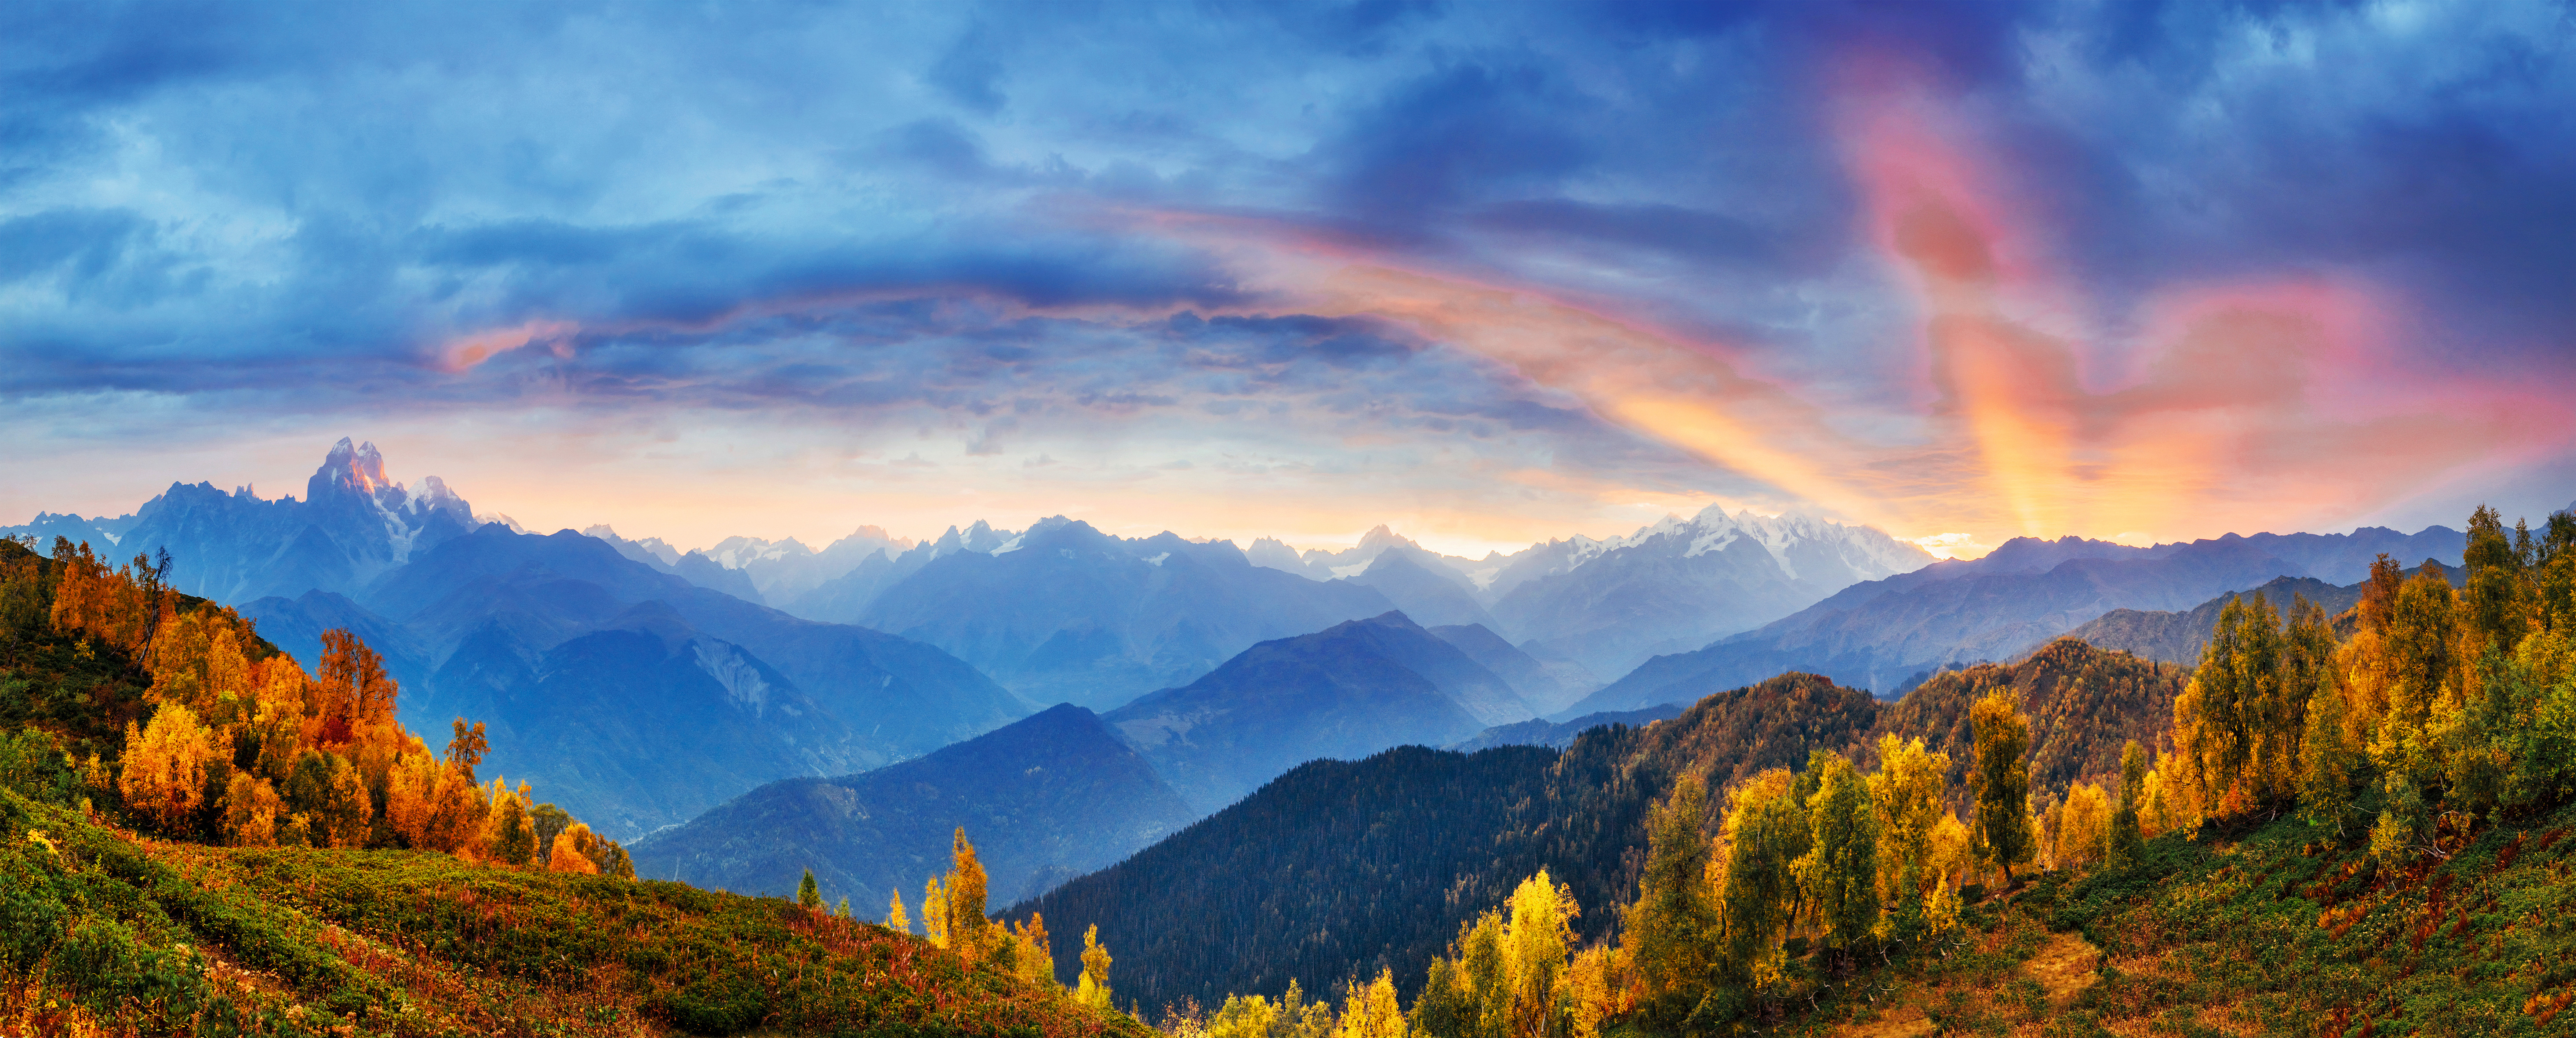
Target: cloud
(2147, 253)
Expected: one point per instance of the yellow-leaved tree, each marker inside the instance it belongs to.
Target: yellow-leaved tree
(165, 766)
(1093, 989)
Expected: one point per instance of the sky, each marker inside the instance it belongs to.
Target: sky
(1487, 272)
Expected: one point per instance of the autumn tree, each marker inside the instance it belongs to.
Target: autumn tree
(2128, 840)
(467, 748)
(1839, 873)
(1672, 929)
(1030, 953)
(2079, 827)
(934, 913)
(2000, 783)
(165, 766)
(1093, 987)
(510, 835)
(1369, 1010)
(332, 797)
(356, 693)
(896, 920)
(1908, 793)
(574, 847)
(546, 821)
(251, 808)
(969, 932)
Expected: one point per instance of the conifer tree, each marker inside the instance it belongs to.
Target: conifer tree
(2000, 781)
(896, 920)
(843, 912)
(809, 895)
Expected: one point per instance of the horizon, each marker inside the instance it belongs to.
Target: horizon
(1327, 543)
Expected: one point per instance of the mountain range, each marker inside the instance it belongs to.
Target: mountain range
(1879, 633)
(1048, 797)
(352, 526)
(1345, 692)
(1339, 869)
(633, 697)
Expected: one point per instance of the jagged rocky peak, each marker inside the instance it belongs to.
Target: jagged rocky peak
(357, 469)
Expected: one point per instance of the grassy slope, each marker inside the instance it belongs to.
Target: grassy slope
(151, 937)
(2265, 931)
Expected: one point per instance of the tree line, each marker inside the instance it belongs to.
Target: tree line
(237, 743)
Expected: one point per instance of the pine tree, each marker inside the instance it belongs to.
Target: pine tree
(843, 911)
(809, 895)
(2001, 783)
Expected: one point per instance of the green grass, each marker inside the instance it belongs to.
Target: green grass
(2280, 931)
(144, 937)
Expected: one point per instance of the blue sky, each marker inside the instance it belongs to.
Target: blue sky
(1491, 272)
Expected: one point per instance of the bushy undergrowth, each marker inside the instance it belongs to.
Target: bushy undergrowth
(131, 936)
(2280, 931)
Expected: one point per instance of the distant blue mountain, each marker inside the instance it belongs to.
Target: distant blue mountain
(352, 526)
(1561, 734)
(1065, 613)
(1345, 692)
(1045, 798)
(630, 695)
(634, 698)
(1877, 634)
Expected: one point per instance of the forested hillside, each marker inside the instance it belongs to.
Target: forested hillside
(1315, 853)
(197, 835)
(2357, 825)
